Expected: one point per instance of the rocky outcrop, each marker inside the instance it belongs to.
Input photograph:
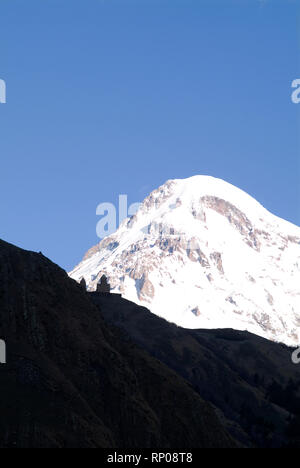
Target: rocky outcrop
(196, 311)
(235, 217)
(217, 258)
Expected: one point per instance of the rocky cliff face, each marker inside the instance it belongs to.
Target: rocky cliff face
(203, 254)
(73, 381)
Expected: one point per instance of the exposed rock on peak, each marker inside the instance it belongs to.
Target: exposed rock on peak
(205, 232)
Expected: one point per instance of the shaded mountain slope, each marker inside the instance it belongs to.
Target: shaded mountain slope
(236, 371)
(73, 381)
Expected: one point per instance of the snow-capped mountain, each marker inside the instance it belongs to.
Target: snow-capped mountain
(204, 254)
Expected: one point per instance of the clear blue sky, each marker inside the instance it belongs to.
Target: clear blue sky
(106, 97)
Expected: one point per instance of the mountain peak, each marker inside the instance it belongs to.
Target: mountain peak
(204, 254)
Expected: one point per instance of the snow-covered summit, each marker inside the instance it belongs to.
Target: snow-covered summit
(204, 254)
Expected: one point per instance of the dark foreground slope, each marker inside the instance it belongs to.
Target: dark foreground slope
(251, 382)
(73, 381)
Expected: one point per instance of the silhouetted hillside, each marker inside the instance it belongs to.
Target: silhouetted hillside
(73, 380)
(252, 382)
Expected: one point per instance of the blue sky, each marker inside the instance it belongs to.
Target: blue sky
(109, 97)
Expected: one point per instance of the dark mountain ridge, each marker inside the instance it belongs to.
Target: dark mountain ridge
(251, 382)
(72, 380)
